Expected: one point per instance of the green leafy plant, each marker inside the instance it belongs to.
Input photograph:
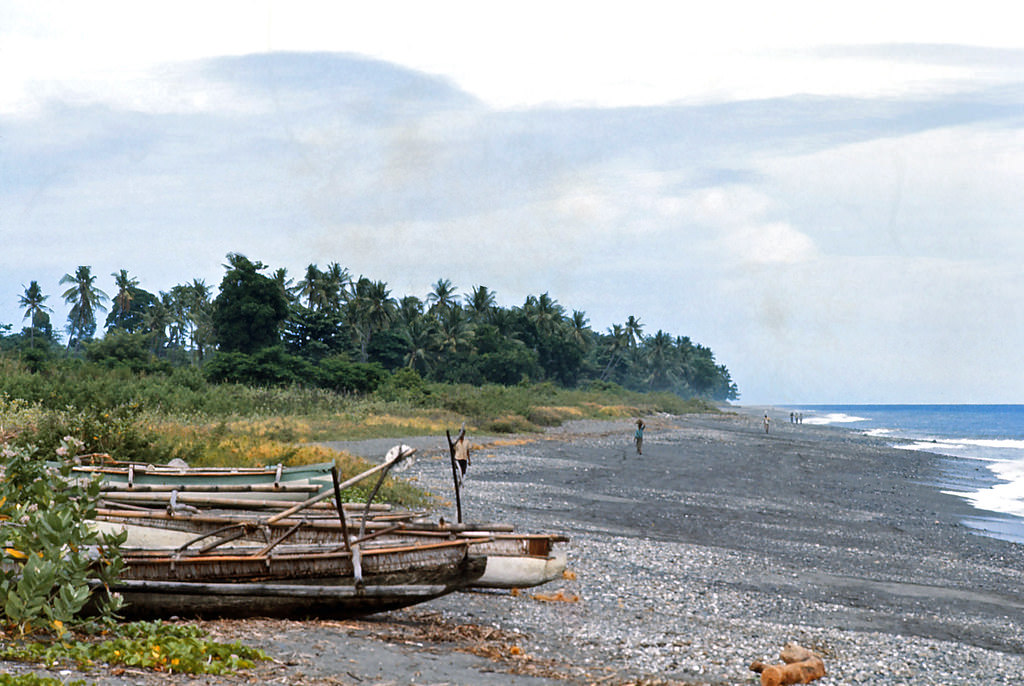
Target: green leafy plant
(157, 646)
(50, 554)
(31, 679)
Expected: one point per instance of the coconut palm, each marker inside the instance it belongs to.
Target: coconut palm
(410, 309)
(442, 297)
(33, 303)
(126, 286)
(419, 335)
(157, 320)
(616, 341)
(286, 284)
(310, 287)
(199, 308)
(481, 303)
(635, 331)
(85, 299)
(544, 311)
(579, 330)
(453, 330)
(338, 285)
(371, 309)
(660, 354)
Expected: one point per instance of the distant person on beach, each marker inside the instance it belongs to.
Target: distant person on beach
(792, 417)
(638, 436)
(462, 454)
(766, 421)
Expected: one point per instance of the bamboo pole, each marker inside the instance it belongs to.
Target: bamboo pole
(327, 493)
(341, 508)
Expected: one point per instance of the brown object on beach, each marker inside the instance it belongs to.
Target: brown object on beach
(800, 666)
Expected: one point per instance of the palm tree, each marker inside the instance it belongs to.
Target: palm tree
(370, 310)
(481, 303)
(157, 320)
(312, 288)
(659, 356)
(177, 323)
(410, 309)
(544, 311)
(579, 330)
(199, 310)
(617, 341)
(85, 299)
(338, 285)
(32, 302)
(280, 277)
(442, 297)
(123, 300)
(635, 331)
(419, 335)
(453, 330)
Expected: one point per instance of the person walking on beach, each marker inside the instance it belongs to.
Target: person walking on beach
(638, 436)
(766, 421)
(462, 454)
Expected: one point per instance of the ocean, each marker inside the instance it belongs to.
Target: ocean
(984, 445)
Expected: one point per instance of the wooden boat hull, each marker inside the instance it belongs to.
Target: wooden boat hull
(335, 598)
(218, 486)
(396, 564)
(514, 560)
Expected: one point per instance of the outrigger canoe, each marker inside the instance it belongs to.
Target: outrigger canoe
(514, 560)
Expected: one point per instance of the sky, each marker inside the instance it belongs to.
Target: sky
(828, 197)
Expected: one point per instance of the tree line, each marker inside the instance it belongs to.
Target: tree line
(332, 330)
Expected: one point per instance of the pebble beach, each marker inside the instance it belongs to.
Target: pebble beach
(721, 543)
(715, 548)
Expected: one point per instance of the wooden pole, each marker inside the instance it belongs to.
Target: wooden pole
(341, 507)
(328, 492)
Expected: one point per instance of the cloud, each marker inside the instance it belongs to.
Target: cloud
(772, 243)
(811, 242)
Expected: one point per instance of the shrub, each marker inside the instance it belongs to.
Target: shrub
(50, 554)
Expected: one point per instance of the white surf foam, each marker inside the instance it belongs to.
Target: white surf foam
(833, 418)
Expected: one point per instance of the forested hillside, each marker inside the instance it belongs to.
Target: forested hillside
(327, 329)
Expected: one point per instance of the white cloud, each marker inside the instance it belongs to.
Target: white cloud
(523, 55)
(771, 243)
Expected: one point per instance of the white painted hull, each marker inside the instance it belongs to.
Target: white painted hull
(511, 571)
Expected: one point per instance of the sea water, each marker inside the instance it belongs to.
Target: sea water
(987, 436)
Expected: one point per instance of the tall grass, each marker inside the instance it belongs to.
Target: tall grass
(157, 417)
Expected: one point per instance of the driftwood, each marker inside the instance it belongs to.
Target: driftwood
(799, 666)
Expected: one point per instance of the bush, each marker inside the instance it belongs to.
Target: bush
(341, 376)
(50, 554)
(403, 385)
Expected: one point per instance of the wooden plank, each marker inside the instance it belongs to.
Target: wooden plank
(282, 590)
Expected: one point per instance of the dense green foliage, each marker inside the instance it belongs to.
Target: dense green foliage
(50, 554)
(349, 335)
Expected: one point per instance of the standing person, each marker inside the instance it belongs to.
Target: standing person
(766, 422)
(638, 436)
(462, 454)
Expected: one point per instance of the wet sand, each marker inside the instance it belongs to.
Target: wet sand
(711, 550)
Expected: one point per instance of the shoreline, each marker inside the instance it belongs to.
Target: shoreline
(715, 548)
(960, 476)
